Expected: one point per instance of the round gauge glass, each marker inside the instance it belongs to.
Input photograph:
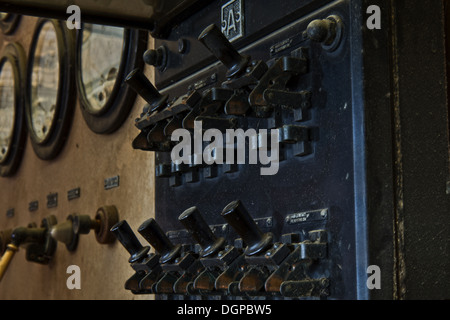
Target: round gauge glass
(105, 56)
(7, 109)
(50, 87)
(101, 55)
(12, 108)
(45, 82)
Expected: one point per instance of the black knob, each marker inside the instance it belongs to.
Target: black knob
(320, 30)
(139, 83)
(241, 221)
(326, 31)
(23, 235)
(153, 233)
(193, 221)
(218, 44)
(128, 239)
(156, 58)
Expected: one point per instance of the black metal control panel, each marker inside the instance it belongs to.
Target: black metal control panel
(276, 229)
(258, 123)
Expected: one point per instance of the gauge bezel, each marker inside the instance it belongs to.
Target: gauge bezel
(9, 24)
(49, 147)
(118, 106)
(15, 54)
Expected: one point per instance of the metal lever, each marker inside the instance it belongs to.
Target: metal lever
(218, 44)
(153, 233)
(179, 268)
(41, 246)
(128, 239)
(145, 265)
(139, 83)
(193, 221)
(18, 236)
(238, 217)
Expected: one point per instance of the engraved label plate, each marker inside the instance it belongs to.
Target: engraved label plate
(73, 194)
(232, 23)
(52, 200)
(33, 206)
(111, 183)
(307, 216)
(10, 213)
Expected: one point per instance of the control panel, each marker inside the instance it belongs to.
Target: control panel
(273, 150)
(255, 189)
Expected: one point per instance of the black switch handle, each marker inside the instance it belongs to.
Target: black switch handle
(127, 238)
(218, 44)
(238, 217)
(153, 233)
(140, 83)
(193, 221)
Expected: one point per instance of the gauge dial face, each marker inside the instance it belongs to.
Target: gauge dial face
(101, 55)
(7, 109)
(45, 82)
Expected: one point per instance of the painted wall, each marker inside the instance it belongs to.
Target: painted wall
(86, 160)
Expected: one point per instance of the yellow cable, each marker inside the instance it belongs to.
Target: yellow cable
(6, 258)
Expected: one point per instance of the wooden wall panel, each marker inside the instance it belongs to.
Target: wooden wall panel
(86, 160)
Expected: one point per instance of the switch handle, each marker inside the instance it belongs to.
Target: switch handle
(152, 232)
(128, 239)
(240, 220)
(143, 87)
(216, 42)
(193, 221)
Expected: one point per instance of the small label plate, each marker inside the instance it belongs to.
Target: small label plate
(232, 16)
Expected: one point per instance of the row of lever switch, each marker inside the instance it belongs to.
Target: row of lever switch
(252, 89)
(263, 267)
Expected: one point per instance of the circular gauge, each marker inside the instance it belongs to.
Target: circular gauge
(50, 87)
(12, 120)
(105, 56)
(8, 22)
